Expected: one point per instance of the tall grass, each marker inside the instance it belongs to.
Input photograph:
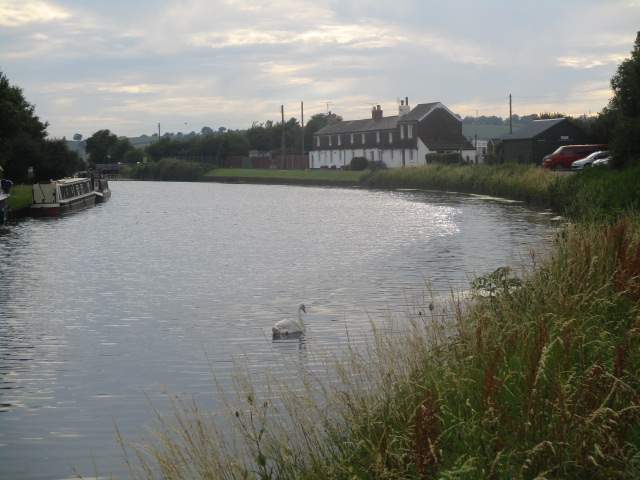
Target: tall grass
(592, 193)
(519, 182)
(540, 381)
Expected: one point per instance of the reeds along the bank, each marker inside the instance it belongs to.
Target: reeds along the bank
(594, 193)
(519, 182)
(540, 381)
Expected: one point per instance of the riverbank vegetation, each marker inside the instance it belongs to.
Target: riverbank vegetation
(323, 176)
(598, 192)
(167, 169)
(21, 197)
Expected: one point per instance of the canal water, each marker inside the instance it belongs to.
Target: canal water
(168, 285)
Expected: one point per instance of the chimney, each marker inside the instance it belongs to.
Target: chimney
(376, 113)
(403, 109)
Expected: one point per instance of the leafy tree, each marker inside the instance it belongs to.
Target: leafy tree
(57, 161)
(120, 149)
(206, 131)
(21, 131)
(23, 142)
(77, 137)
(625, 106)
(315, 123)
(100, 146)
(133, 156)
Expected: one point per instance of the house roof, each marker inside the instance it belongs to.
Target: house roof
(419, 111)
(353, 126)
(386, 123)
(534, 129)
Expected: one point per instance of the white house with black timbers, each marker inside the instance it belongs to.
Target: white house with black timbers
(398, 141)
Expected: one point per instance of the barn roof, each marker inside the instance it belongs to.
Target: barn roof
(534, 129)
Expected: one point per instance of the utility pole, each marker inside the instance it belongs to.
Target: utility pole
(510, 114)
(282, 141)
(302, 125)
(158, 131)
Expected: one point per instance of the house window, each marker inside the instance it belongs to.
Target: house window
(362, 139)
(339, 140)
(317, 141)
(409, 131)
(401, 132)
(377, 137)
(390, 137)
(352, 139)
(329, 140)
(410, 154)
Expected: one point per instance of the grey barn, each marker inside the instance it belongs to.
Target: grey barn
(532, 142)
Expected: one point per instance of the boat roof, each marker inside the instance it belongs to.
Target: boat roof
(68, 180)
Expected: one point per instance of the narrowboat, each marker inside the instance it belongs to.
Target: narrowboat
(4, 207)
(61, 196)
(5, 193)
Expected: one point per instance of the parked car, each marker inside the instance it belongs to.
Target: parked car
(564, 156)
(602, 162)
(589, 159)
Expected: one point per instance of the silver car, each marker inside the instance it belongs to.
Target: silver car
(588, 160)
(601, 162)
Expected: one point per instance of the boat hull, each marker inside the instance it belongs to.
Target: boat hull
(62, 208)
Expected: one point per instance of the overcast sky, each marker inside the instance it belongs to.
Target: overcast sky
(127, 65)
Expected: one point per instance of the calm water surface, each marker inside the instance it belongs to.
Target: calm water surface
(168, 284)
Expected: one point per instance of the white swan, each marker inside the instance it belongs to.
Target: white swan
(288, 326)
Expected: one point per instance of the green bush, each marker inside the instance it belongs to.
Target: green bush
(444, 158)
(358, 163)
(168, 169)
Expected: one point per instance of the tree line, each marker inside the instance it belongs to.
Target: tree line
(24, 142)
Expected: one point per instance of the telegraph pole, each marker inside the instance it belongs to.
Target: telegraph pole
(282, 140)
(510, 120)
(302, 125)
(158, 131)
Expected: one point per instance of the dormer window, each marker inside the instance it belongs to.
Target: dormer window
(362, 135)
(317, 141)
(409, 131)
(377, 137)
(352, 139)
(401, 132)
(329, 140)
(390, 137)
(339, 140)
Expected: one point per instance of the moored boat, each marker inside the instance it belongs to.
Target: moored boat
(61, 196)
(4, 207)
(5, 193)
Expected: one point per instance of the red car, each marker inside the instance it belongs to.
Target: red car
(564, 156)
